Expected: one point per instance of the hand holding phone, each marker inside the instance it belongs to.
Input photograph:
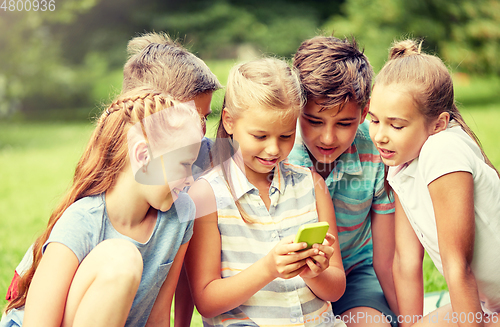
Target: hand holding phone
(313, 233)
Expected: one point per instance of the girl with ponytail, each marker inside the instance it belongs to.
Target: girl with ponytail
(446, 190)
(114, 246)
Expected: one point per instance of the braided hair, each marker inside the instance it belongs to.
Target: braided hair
(105, 156)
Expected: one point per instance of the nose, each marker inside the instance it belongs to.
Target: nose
(328, 136)
(379, 135)
(272, 147)
(189, 180)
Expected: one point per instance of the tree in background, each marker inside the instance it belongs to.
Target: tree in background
(30, 60)
(68, 58)
(464, 33)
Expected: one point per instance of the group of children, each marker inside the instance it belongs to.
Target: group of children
(292, 147)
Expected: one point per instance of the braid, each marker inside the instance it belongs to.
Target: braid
(106, 156)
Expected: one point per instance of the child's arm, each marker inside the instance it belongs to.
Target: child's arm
(326, 280)
(214, 295)
(383, 239)
(407, 268)
(453, 201)
(160, 313)
(49, 288)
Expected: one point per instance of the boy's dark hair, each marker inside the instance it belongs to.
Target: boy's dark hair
(333, 71)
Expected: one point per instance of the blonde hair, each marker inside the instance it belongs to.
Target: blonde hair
(267, 83)
(428, 81)
(105, 158)
(157, 61)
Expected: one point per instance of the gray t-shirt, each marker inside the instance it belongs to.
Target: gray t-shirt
(85, 224)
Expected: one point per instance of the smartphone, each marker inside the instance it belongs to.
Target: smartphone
(312, 233)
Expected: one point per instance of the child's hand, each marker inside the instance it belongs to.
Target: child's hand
(285, 260)
(320, 261)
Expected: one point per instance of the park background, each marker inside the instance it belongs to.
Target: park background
(59, 68)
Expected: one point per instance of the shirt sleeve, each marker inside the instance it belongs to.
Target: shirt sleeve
(76, 230)
(444, 153)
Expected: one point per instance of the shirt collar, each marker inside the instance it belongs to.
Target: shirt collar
(239, 184)
(411, 168)
(403, 171)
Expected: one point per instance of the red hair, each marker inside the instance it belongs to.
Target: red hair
(103, 159)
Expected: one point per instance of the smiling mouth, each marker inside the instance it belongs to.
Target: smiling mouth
(267, 162)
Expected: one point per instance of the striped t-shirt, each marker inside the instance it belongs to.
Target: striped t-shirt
(283, 302)
(356, 186)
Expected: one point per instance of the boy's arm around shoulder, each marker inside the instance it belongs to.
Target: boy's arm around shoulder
(330, 284)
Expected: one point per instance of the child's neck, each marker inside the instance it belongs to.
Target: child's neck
(323, 169)
(128, 213)
(262, 182)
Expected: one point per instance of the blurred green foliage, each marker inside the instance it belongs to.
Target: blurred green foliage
(62, 63)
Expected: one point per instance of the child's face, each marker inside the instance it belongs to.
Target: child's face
(264, 138)
(178, 174)
(202, 102)
(397, 128)
(327, 133)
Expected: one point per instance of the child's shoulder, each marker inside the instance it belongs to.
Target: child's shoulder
(452, 140)
(87, 205)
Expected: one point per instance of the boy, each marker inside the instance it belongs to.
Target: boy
(334, 142)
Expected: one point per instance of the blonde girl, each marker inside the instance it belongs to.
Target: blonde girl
(113, 248)
(446, 190)
(243, 266)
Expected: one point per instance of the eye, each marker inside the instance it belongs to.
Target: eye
(373, 121)
(314, 122)
(286, 137)
(259, 137)
(345, 124)
(397, 127)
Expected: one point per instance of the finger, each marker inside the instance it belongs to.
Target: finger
(295, 272)
(314, 266)
(290, 268)
(329, 239)
(326, 249)
(321, 261)
(291, 248)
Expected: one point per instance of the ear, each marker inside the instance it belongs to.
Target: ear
(365, 111)
(441, 123)
(228, 121)
(140, 154)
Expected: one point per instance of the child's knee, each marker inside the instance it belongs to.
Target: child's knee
(122, 261)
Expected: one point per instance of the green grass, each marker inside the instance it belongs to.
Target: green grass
(37, 161)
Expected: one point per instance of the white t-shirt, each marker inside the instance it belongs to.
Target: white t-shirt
(449, 151)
